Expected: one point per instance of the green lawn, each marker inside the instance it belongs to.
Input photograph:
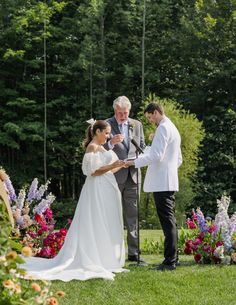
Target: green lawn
(189, 284)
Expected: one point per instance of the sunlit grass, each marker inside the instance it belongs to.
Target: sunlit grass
(189, 284)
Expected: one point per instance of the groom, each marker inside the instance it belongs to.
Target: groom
(123, 130)
(163, 160)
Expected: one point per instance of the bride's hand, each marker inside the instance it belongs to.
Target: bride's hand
(118, 163)
(129, 163)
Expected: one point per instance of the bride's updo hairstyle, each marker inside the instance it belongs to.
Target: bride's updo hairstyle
(91, 131)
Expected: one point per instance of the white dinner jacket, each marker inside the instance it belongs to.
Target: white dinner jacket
(163, 159)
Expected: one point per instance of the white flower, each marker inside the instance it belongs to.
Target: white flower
(21, 199)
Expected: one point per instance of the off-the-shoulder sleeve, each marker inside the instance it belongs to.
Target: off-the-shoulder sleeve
(91, 162)
(114, 156)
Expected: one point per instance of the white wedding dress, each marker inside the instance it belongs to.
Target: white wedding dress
(94, 245)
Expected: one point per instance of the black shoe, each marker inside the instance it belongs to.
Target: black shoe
(163, 267)
(177, 263)
(134, 258)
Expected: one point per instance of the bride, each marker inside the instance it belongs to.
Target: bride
(94, 245)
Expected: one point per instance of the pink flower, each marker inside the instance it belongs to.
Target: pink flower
(69, 221)
(219, 243)
(197, 257)
(48, 213)
(37, 218)
(40, 232)
(206, 248)
(197, 241)
(189, 243)
(44, 252)
(44, 226)
(191, 225)
(212, 228)
(194, 215)
(187, 250)
(63, 231)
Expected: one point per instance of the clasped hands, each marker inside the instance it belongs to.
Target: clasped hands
(123, 163)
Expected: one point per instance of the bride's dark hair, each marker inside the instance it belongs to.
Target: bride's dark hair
(91, 131)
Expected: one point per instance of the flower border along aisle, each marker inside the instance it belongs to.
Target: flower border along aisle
(211, 241)
(34, 219)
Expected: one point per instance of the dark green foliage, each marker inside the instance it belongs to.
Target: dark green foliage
(64, 212)
(94, 54)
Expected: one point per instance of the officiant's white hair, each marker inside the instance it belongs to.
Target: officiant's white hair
(122, 101)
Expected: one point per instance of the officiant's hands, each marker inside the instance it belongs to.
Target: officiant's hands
(118, 138)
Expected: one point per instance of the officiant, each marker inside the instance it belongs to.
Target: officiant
(124, 131)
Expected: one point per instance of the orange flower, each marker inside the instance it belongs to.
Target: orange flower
(8, 284)
(36, 287)
(52, 301)
(26, 251)
(11, 255)
(60, 293)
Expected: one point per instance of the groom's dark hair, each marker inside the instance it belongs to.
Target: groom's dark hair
(152, 107)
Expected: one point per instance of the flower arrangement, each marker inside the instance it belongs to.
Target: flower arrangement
(212, 241)
(14, 289)
(34, 219)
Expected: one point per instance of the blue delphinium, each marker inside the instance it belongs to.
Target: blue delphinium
(32, 191)
(44, 204)
(41, 191)
(202, 221)
(11, 191)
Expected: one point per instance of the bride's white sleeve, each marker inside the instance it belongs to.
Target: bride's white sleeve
(91, 162)
(114, 156)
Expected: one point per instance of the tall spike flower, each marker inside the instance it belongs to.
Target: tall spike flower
(42, 190)
(10, 189)
(32, 191)
(21, 199)
(201, 221)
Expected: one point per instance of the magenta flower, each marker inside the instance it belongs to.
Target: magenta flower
(48, 213)
(63, 231)
(197, 257)
(197, 241)
(191, 225)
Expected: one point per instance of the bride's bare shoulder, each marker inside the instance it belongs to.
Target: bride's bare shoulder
(92, 148)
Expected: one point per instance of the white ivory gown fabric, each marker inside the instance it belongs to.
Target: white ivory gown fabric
(94, 245)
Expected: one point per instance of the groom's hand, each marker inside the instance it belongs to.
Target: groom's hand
(129, 163)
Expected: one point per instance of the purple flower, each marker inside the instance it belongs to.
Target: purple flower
(41, 207)
(10, 188)
(41, 191)
(201, 221)
(32, 190)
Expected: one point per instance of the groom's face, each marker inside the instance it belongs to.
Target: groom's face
(153, 118)
(121, 114)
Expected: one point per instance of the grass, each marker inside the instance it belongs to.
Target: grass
(189, 284)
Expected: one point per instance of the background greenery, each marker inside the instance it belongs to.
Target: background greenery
(182, 51)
